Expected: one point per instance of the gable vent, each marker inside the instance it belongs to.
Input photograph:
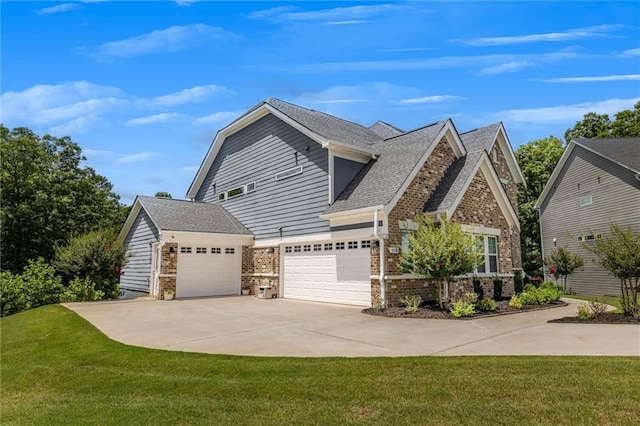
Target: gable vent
(289, 173)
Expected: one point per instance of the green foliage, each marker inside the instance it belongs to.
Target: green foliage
(497, 289)
(47, 196)
(411, 302)
(515, 302)
(81, 290)
(94, 256)
(537, 159)
(486, 304)
(563, 263)
(465, 306)
(597, 307)
(37, 285)
(518, 281)
(584, 313)
(547, 292)
(478, 288)
(439, 252)
(163, 194)
(619, 253)
(626, 124)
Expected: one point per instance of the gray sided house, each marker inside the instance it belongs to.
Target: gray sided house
(319, 208)
(596, 182)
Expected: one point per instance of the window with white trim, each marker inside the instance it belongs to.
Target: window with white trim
(215, 250)
(339, 246)
(365, 244)
(352, 245)
(229, 250)
(250, 187)
(235, 192)
(586, 201)
(222, 196)
(201, 250)
(488, 246)
(289, 173)
(185, 249)
(317, 247)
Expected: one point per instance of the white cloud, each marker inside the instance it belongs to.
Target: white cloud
(45, 104)
(344, 15)
(157, 118)
(627, 77)
(366, 92)
(429, 99)
(64, 7)
(218, 117)
(564, 113)
(506, 67)
(597, 31)
(630, 53)
(134, 158)
(75, 126)
(352, 22)
(171, 39)
(189, 96)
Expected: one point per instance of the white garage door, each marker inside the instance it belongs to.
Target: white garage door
(208, 270)
(331, 271)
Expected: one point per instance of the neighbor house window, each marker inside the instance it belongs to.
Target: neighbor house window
(585, 201)
(185, 249)
(250, 187)
(215, 250)
(489, 248)
(201, 250)
(229, 250)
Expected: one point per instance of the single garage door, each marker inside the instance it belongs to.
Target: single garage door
(208, 270)
(330, 271)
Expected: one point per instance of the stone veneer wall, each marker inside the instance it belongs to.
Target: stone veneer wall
(261, 268)
(169, 267)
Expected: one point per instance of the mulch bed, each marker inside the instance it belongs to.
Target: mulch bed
(605, 318)
(433, 311)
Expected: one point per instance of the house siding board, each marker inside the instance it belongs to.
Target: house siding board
(255, 154)
(138, 242)
(616, 199)
(343, 173)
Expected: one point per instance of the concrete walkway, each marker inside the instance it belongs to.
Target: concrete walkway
(280, 327)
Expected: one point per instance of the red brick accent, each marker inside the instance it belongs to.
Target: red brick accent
(260, 267)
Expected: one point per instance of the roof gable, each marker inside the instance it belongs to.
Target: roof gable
(385, 130)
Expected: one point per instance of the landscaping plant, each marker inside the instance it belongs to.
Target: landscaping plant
(518, 281)
(563, 263)
(465, 306)
(497, 289)
(439, 252)
(37, 285)
(411, 302)
(515, 302)
(486, 305)
(584, 313)
(620, 255)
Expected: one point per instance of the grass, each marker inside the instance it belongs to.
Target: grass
(58, 369)
(609, 300)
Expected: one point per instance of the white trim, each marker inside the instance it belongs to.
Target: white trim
(330, 176)
(293, 171)
(348, 154)
(168, 236)
(554, 175)
(362, 233)
(449, 133)
(355, 212)
(246, 187)
(480, 230)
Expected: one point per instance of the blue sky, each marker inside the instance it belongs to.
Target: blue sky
(144, 86)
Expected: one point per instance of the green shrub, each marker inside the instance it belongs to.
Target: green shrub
(584, 313)
(515, 302)
(37, 285)
(81, 291)
(530, 297)
(518, 281)
(598, 307)
(411, 302)
(486, 304)
(497, 289)
(478, 288)
(465, 306)
(547, 292)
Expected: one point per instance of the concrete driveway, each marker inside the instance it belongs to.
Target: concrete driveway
(280, 327)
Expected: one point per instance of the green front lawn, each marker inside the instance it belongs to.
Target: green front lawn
(57, 368)
(609, 300)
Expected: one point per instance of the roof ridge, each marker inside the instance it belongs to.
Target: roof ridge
(417, 129)
(480, 128)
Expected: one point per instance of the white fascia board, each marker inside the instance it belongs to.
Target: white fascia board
(503, 140)
(361, 155)
(480, 230)
(348, 213)
(131, 217)
(311, 238)
(554, 174)
(168, 236)
(451, 135)
(354, 219)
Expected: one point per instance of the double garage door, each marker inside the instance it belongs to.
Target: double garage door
(329, 271)
(207, 270)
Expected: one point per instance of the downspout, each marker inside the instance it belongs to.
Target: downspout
(383, 286)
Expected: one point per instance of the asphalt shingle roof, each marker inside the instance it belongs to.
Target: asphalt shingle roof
(453, 182)
(191, 216)
(480, 139)
(381, 179)
(385, 130)
(625, 151)
(328, 126)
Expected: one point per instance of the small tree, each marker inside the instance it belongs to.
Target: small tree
(439, 252)
(620, 255)
(563, 263)
(95, 256)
